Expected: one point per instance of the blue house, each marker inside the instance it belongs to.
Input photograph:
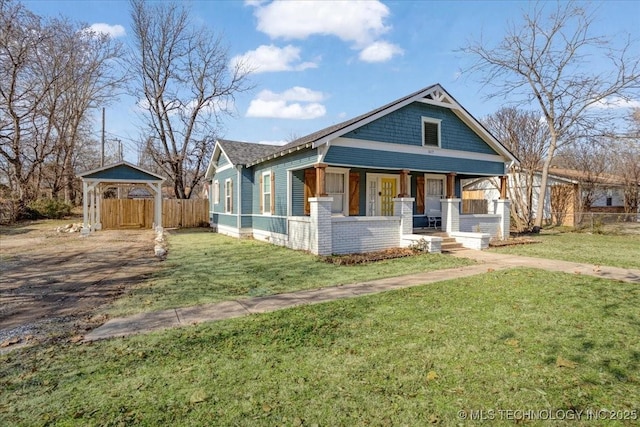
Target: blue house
(374, 182)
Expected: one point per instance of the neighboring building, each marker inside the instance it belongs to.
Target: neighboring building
(565, 196)
(365, 184)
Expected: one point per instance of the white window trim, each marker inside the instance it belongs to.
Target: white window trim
(216, 192)
(345, 198)
(262, 193)
(228, 195)
(432, 121)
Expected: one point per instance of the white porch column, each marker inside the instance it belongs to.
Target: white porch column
(502, 208)
(403, 207)
(85, 211)
(157, 216)
(450, 215)
(320, 226)
(97, 190)
(92, 207)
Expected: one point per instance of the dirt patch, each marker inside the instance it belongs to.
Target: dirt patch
(355, 259)
(513, 242)
(54, 284)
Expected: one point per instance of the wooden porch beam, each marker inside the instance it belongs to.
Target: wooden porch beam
(321, 187)
(503, 187)
(404, 175)
(451, 185)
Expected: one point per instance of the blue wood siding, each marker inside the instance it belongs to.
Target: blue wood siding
(279, 167)
(404, 126)
(389, 160)
(222, 160)
(297, 189)
(247, 181)
(222, 177)
(270, 223)
(225, 219)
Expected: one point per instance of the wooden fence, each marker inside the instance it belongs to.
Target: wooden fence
(474, 206)
(138, 213)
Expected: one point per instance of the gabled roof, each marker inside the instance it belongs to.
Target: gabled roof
(577, 176)
(433, 95)
(121, 172)
(243, 153)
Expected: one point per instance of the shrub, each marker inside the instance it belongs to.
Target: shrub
(48, 208)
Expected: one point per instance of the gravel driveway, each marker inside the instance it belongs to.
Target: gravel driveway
(52, 284)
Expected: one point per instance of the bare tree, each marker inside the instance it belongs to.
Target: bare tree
(592, 159)
(24, 142)
(526, 136)
(627, 162)
(185, 84)
(87, 67)
(548, 61)
(52, 73)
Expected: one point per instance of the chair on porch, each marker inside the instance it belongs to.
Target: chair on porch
(433, 218)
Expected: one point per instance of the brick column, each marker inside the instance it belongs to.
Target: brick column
(450, 215)
(403, 207)
(502, 208)
(320, 226)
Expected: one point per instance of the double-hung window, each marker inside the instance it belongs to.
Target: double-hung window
(335, 187)
(216, 192)
(266, 193)
(228, 196)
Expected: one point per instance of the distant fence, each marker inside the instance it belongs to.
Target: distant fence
(138, 213)
(475, 206)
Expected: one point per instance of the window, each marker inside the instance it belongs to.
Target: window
(430, 132)
(609, 201)
(334, 183)
(267, 192)
(216, 192)
(228, 196)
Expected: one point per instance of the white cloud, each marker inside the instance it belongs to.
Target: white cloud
(357, 21)
(272, 58)
(112, 31)
(297, 103)
(616, 102)
(380, 51)
(360, 23)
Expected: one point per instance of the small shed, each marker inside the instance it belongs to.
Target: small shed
(94, 180)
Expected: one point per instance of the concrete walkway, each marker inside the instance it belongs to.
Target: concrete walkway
(487, 261)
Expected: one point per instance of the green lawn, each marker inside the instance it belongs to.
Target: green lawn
(602, 249)
(204, 267)
(519, 339)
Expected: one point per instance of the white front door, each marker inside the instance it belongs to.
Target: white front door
(381, 190)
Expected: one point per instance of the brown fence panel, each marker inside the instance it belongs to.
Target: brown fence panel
(138, 213)
(475, 206)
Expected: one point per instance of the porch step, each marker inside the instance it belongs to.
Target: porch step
(449, 244)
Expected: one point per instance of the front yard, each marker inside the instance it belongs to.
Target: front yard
(204, 267)
(515, 340)
(599, 249)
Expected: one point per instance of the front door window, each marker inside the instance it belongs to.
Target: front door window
(388, 192)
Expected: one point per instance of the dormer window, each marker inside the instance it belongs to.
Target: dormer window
(430, 132)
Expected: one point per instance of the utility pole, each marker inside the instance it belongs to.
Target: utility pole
(102, 151)
(120, 153)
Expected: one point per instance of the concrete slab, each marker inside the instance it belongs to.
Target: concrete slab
(139, 323)
(210, 312)
(271, 303)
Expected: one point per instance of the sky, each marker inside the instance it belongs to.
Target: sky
(319, 63)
